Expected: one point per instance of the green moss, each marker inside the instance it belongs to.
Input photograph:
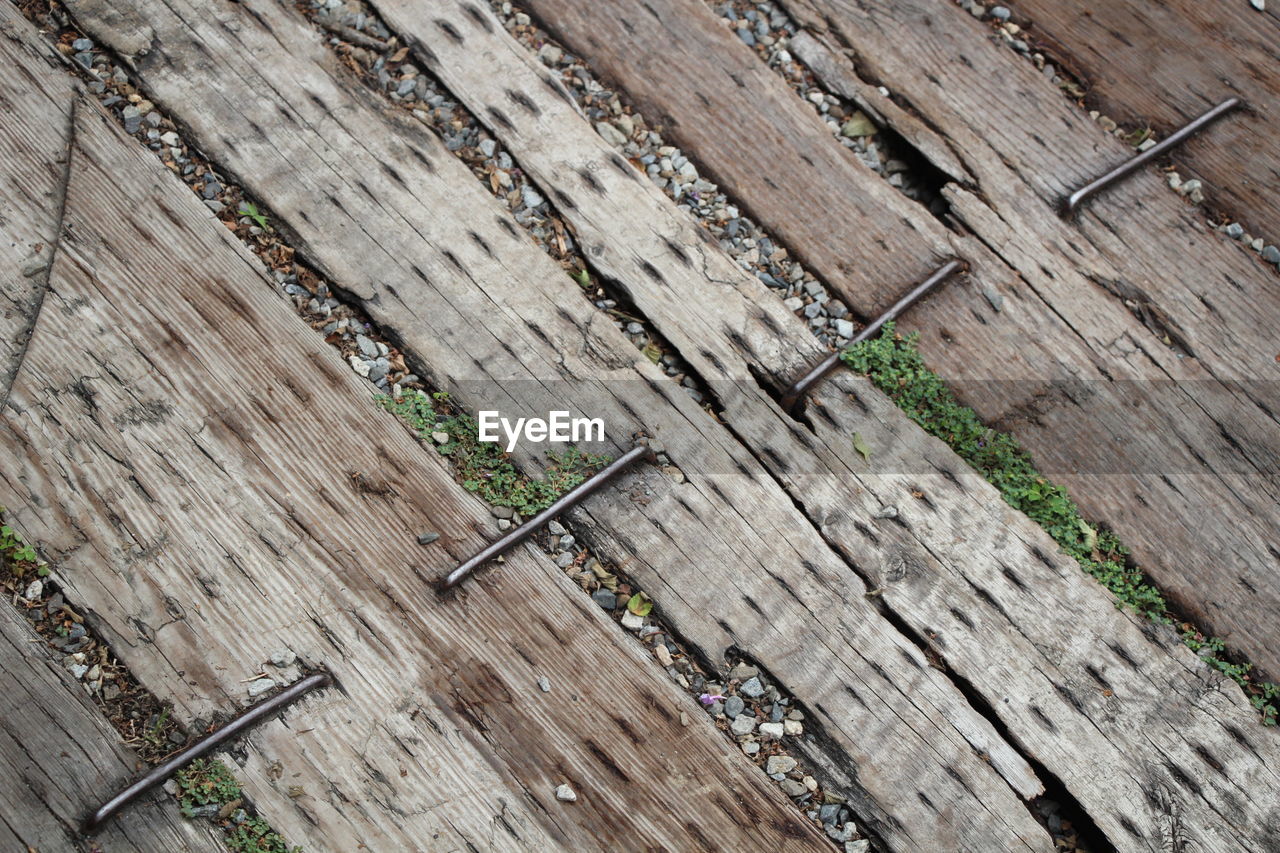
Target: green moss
(894, 364)
(483, 467)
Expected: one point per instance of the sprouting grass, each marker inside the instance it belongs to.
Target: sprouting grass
(482, 467)
(894, 364)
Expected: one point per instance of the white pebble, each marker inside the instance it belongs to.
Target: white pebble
(565, 794)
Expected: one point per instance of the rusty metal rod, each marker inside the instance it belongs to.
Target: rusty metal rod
(161, 772)
(1073, 201)
(565, 502)
(798, 390)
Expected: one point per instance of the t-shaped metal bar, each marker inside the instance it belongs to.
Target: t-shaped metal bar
(1077, 198)
(564, 503)
(798, 390)
(207, 744)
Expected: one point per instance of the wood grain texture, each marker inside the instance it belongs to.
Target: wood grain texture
(1163, 64)
(1079, 685)
(60, 758)
(386, 213)
(1183, 463)
(207, 505)
(1177, 454)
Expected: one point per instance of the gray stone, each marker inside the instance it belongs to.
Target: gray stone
(78, 670)
(844, 328)
(733, 706)
(283, 657)
(780, 764)
(611, 134)
(631, 621)
(555, 528)
(565, 560)
(368, 348)
(544, 684)
(841, 834)
(771, 730)
(1235, 230)
(530, 197)
(792, 788)
(502, 512)
(829, 813)
(752, 688)
(743, 724)
(750, 747)
(1271, 255)
(206, 810)
(862, 845)
(605, 599)
(82, 44)
(259, 686)
(1000, 13)
(427, 538)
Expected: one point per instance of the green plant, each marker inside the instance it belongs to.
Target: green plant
(249, 209)
(17, 555)
(255, 835)
(894, 365)
(483, 467)
(203, 783)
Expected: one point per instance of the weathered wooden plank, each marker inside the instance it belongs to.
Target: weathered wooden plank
(59, 758)
(1189, 476)
(1190, 439)
(495, 322)
(1077, 683)
(32, 178)
(1164, 64)
(207, 508)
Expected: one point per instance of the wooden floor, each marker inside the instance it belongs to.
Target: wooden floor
(171, 427)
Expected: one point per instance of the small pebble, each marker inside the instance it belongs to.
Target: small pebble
(283, 657)
(771, 730)
(260, 686)
(1271, 255)
(752, 688)
(565, 794)
(780, 764)
(427, 538)
(544, 684)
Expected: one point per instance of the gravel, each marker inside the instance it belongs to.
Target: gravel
(566, 794)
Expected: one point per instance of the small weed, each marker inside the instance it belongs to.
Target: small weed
(894, 364)
(255, 835)
(203, 783)
(482, 467)
(210, 783)
(249, 209)
(19, 558)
